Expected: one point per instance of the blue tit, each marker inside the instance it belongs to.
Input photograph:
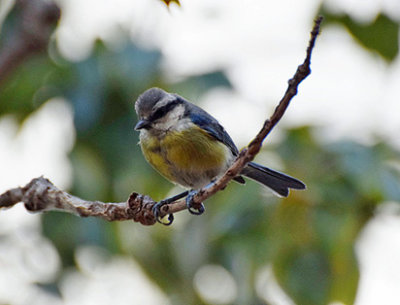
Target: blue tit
(190, 148)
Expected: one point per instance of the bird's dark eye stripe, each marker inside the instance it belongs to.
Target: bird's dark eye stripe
(160, 112)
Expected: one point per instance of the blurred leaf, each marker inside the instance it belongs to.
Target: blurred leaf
(345, 182)
(90, 178)
(26, 89)
(382, 35)
(194, 86)
(69, 232)
(391, 183)
(306, 275)
(168, 2)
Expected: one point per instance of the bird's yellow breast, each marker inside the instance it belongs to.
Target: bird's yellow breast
(186, 155)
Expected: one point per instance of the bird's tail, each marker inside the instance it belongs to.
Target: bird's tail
(278, 182)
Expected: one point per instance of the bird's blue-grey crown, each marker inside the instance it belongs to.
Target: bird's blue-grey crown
(146, 101)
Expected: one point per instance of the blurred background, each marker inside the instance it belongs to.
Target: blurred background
(67, 113)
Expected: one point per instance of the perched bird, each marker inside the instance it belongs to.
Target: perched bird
(190, 148)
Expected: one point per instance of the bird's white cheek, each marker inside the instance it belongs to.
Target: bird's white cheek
(183, 124)
(173, 122)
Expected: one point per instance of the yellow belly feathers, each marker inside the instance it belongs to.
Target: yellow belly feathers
(182, 156)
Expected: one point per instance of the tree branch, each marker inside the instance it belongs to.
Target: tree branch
(41, 195)
(36, 21)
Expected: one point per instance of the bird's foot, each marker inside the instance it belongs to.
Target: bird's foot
(190, 205)
(156, 209)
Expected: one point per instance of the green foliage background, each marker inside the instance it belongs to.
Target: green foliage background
(308, 238)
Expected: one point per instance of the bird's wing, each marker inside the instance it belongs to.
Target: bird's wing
(206, 122)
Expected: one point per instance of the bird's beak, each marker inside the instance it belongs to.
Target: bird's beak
(142, 124)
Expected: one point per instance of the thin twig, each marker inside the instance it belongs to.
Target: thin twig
(41, 195)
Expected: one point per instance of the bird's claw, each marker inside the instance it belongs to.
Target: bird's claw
(156, 209)
(189, 204)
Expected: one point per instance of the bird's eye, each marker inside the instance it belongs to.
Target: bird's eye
(160, 112)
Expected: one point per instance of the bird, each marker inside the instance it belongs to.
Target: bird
(190, 148)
